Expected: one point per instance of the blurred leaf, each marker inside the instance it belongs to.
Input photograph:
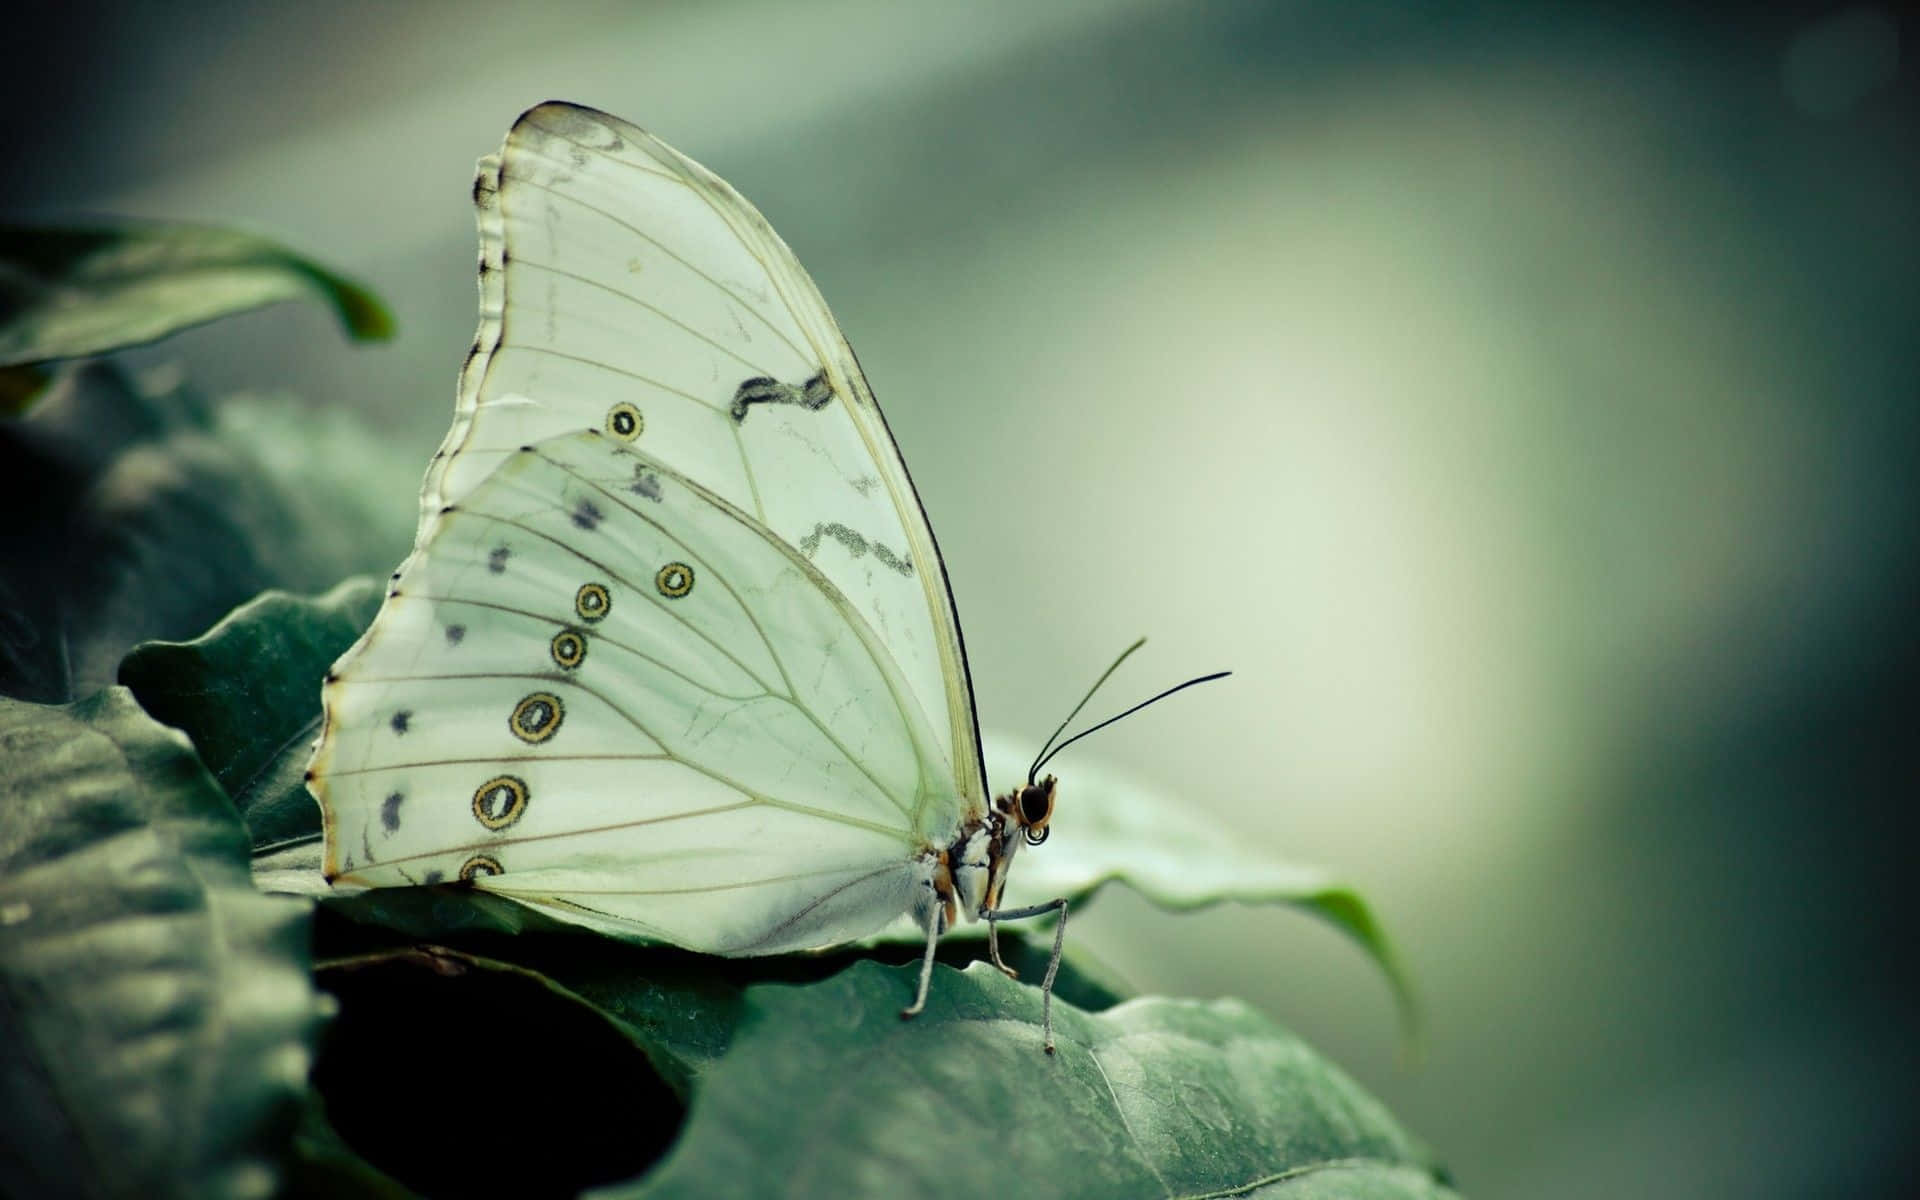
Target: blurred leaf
(20, 387)
(72, 293)
(50, 462)
(157, 1011)
(247, 692)
(827, 1092)
(140, 513)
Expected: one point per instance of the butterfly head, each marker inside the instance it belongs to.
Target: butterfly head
(1032, 809)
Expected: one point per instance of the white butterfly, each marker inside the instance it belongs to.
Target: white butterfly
(674, 654)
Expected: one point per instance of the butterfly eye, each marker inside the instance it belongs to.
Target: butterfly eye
(1036, 804)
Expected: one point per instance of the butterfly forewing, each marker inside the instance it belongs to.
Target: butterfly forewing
(598, 686)
(624, 288)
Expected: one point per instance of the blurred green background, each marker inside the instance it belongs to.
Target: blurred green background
(1520, 400)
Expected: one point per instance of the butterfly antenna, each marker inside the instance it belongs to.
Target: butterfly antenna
(1042, 756)
(1110, 720)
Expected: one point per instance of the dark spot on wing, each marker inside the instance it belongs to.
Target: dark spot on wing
(645, 483)
(497, 559)
(760, 389)
(401, 719)
(455, 633)
(390, 812)
(890, 562)
(586, 515)
(855, 544)
(812, 395)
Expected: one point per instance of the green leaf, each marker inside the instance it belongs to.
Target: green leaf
(827, 1092)
(1108, 828)
(247, 692)
(139, 512)
(158, 1015)
(72, 293)
(57, 471)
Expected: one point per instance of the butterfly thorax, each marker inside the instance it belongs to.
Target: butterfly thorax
(971, 873)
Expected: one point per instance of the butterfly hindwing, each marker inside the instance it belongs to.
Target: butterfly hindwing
(597, 686)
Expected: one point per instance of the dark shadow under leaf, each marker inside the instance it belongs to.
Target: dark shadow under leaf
(461, 1076)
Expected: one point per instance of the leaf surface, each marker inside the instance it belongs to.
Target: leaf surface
(245, 692)
(1110, 828)
(827, 1092)
(73, 293)
(157, 1011)
(140, 512)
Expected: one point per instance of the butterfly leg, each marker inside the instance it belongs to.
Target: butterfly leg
(926, 964)
(993, 946)
(1053, 963)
